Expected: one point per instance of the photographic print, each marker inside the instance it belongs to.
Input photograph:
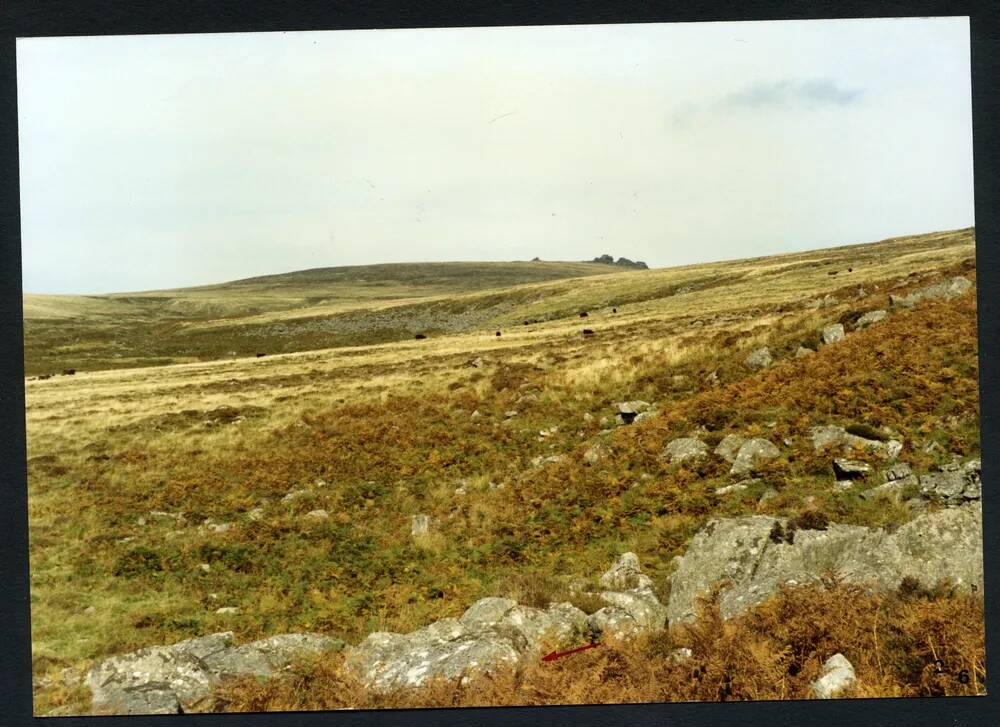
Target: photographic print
(526, 365)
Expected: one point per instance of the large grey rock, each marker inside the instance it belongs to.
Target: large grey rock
(840, 440)
(838, 675)
(446, 649)
(268, 656)
(753, 453)
(729, 447)
(833, 333)
(760, 358)
(947, 544)
(869, 318)
(179, 677)
(684, 449)
(493, 632)
(143, 680)
(948, 289)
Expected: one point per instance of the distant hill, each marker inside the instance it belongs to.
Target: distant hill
(326, 308)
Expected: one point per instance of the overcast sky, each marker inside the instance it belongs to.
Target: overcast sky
(166, 161)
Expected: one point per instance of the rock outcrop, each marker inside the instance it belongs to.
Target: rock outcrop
(623, 262)
(953, 484)
(496, 632)
(943, 545)
(178, 678)
(951, 288)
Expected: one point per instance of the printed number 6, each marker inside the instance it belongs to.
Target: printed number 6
(963, 676)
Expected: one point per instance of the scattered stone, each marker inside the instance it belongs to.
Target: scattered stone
(953, 485)
(833, 333)
(760, 358)
(594, 454)
(293, 496)
(729, 447)
(643, 416)
(227, 610)
(892, 489)
(684, 449)
(802, 352)
(510, 414)
(205, 567)
(753, 453)
(942, 545)
(541, 460)
(679, 656)
(255, 514)
(948, 289)
(768, 495)
(849, 469)
(898, 471)
(869, 318)
(214, 527)
(838, 675)
(738, 487)
(838, 438)
(625, 574)
(317, 515)
(420, 524)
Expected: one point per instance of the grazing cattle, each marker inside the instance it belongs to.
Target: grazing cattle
(498, 334)
(42, 377)
(588, 332)
(832, 272)
(614, 310)
(850, 270)
(68, 372)
(420, 336)
(525, 323)
(583, 314)
(261, 355)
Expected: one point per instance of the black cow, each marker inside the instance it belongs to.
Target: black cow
(261, 355)
(68, 372)
(583, 314)
(588, 332)
(420, 336)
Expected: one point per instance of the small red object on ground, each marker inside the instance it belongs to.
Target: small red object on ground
(552, 656)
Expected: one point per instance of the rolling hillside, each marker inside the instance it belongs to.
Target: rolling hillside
(172, 501)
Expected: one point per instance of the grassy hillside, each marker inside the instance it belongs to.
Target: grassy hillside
(132, 472)
(240, 318)
(360, 306)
